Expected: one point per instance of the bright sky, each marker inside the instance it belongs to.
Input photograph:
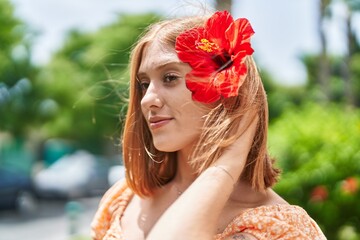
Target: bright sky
(284, 29)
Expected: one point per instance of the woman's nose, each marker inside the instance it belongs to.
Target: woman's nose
(152, 97)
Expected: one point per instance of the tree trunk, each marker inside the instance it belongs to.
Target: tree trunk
(324, 68)
(346, 73)
(223, 5)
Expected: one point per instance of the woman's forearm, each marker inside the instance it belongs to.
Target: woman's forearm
(195, 214)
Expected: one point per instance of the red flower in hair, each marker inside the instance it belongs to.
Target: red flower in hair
(216, 53)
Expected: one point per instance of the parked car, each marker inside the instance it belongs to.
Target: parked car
(74, 175)
(17, 191)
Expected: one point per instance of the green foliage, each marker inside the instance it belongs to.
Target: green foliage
(355, 70)
(281, 97)
(17, 95)
(87, 82)
(335, 84)
(14, 46)
(317, 147)
(334, 78)
(9, 24)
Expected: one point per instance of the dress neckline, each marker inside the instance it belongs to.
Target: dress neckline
(266, 208)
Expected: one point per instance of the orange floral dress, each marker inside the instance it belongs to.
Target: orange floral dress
(265, 222)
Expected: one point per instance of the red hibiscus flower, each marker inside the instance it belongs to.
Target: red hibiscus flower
(216, 53)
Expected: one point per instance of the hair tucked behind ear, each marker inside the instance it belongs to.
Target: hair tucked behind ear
(221, 129)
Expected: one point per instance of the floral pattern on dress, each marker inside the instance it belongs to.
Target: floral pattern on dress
(266, 222)
(280, 221)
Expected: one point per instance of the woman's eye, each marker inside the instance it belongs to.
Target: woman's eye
(168, 78)
(144, 85)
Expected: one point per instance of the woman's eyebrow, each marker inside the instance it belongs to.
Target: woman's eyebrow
(167, 63)
(161, 65)
(141, 74)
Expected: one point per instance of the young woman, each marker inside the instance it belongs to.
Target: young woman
(194, 142)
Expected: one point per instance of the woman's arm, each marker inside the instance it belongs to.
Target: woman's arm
(195, 214)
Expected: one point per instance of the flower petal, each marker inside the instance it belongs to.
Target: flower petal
(238, 33)
(216, 26)
(200, 61)
(230, 80)
(202, 91)
(245, 49)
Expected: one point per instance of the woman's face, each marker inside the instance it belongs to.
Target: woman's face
(174, 119)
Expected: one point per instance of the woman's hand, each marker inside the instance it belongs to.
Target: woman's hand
(234, 157)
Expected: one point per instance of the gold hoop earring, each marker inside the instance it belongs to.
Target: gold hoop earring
(151, 156)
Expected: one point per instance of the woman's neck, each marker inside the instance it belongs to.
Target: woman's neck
(185, 174)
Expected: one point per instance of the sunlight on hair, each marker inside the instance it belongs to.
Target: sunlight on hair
(191, 8)
(151, 156)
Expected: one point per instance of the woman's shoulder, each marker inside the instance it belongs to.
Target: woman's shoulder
(119, 189)
(272, 221)
(112, 204)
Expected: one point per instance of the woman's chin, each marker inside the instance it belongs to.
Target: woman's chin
(165, 148)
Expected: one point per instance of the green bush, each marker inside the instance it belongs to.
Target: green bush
(318, 149)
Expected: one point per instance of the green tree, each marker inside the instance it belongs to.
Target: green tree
(223, 5)
(86, 82)
(355, 74)
(17, 96)
(322, 74)
(281, 97)
(335, 83)
(322, 80)
(352, 48)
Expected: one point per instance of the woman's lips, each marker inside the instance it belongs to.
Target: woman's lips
(158, 122)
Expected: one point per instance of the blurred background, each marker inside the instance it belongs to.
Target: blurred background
(63, 90)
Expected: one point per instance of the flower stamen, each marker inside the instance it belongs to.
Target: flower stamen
(206, 45)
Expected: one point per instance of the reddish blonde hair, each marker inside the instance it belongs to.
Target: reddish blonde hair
(143, 174)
